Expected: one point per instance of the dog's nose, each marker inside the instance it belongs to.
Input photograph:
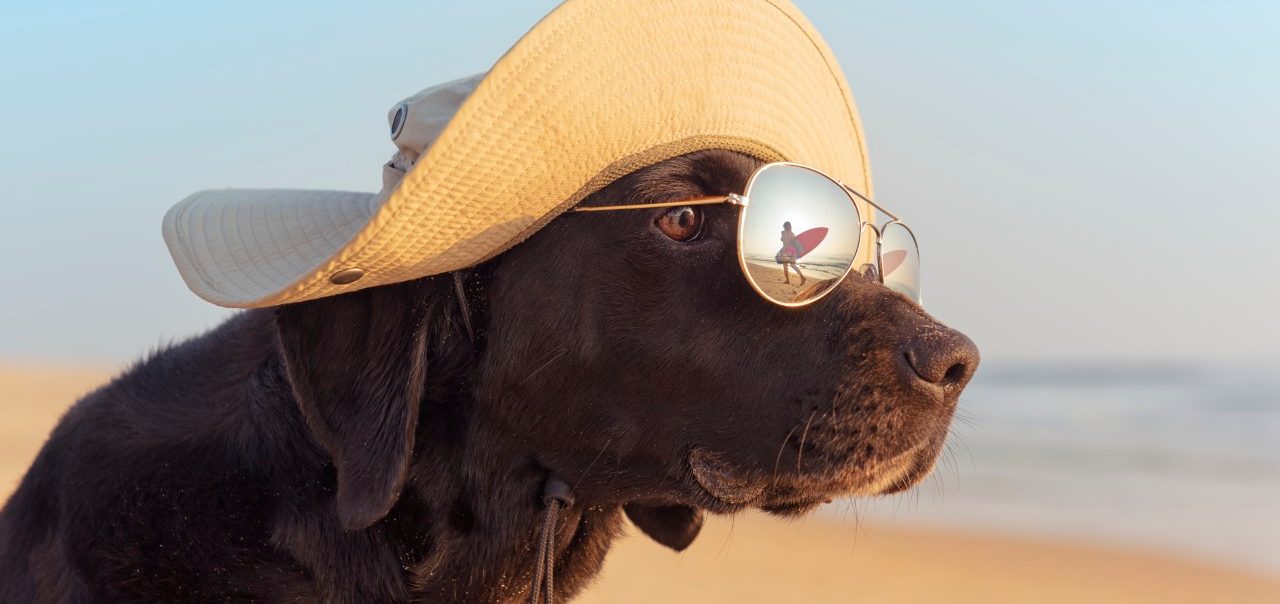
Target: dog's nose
(942, 356)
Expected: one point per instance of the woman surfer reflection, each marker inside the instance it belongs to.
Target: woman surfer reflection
(791, 249)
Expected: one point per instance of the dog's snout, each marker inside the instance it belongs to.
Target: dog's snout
(942, 356)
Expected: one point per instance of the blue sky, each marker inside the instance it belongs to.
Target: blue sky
(1089, 180)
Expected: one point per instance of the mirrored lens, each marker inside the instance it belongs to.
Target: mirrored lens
(799, 233)
(900, 260)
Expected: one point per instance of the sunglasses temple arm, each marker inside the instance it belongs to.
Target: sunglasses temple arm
(701, 201)
(873, 204)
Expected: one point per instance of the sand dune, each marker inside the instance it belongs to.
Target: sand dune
(754, 558)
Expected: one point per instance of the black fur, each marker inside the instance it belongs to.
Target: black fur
(362, 448)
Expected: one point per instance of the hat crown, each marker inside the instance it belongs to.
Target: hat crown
(596, 90)
(417, 122)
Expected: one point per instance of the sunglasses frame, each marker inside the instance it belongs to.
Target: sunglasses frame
(919, 297)
(743, 201)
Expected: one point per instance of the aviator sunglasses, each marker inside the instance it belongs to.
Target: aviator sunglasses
(799, 231)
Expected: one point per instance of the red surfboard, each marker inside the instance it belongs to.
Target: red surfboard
(809, 240)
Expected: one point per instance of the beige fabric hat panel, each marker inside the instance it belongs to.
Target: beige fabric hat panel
(595, 90)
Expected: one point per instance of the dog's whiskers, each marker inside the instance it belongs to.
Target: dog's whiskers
(966, 418)
(614, 473)
(555, 356)
(593, 462)
(857, 523)
(955, 459)
(778, 459)
(803, 436)
(728, 541)
(968, 422)
(959, 438)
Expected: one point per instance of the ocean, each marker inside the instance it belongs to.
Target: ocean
(815, 266)
(1180, 459)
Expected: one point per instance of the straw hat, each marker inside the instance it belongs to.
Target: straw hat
(597, 89)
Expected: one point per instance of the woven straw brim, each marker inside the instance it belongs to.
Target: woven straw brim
(595, 90)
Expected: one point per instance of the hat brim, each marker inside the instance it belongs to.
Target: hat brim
(597, 89)
(234, 246)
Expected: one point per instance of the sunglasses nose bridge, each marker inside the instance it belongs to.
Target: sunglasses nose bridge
(876, 242)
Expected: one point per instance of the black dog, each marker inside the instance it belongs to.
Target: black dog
(365, 448)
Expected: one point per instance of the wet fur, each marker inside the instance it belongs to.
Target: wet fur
(363, 448)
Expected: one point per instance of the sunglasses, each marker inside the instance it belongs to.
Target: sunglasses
(793, 218)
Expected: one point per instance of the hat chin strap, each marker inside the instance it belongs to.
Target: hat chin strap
(556, 496)
(462, 303)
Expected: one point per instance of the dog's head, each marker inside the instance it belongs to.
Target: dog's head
(627, 352)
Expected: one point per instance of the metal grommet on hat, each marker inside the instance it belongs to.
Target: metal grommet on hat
(397, 122)
(345, 276)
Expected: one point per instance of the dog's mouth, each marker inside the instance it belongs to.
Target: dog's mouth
(728, 487)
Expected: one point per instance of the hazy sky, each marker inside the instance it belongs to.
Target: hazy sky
(1087, 179)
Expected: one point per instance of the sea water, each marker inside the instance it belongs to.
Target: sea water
(813, 266)
(1183, 459)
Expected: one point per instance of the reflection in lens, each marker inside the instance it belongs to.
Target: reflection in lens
(900, 260)
(799, 233)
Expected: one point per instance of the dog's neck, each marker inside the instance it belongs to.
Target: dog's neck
(465, 526)
(475, 495)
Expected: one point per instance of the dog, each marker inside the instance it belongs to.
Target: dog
(370, 447)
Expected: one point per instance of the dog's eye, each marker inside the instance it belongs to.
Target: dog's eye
(681, 224)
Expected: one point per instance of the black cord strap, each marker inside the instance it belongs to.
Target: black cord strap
(556, 496)
(462, 303)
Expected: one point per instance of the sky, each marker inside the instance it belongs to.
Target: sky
(1088, 180)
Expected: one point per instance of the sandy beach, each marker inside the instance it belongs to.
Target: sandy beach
(774, 283)
(756, 558)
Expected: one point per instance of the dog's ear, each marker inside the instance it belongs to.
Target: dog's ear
(674, 526)
(357, 366)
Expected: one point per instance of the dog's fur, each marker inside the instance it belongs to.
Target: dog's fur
(362, 448)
